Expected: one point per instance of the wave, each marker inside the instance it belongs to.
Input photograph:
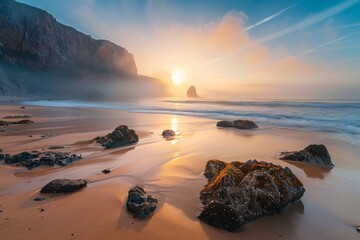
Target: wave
(270, 103)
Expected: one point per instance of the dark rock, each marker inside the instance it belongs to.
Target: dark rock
(39, 199)
(313, 154)
(168, 133)
(25, 121)
(106, 171)
(238, 193)
(22, 107)
(140, 203)
(55, 147)
(121, 136)
(191, 92)
(35, 158)
(358, 228)
(63, 186)
(240, 124)
(17, 116)
(3, 123)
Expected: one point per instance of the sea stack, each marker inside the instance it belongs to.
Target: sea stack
(191, 92)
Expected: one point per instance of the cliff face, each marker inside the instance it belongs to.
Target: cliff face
(32, 37)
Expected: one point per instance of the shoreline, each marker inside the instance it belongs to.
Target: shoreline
(171, 170)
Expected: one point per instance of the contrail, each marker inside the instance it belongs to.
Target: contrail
(324, 44)
(302, 24)
(270, 17)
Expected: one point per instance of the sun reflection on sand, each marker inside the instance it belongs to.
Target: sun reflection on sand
(175, 128)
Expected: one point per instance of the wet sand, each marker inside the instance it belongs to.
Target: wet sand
(171, 170)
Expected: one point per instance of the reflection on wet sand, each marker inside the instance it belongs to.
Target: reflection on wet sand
(312, 171)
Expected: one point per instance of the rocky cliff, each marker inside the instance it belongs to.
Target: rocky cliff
(39, 54)
(32, 37)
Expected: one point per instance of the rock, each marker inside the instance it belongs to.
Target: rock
(191, 92)
(106, 171)
(168, 133)
(240, 124)
(22, 107)
(26, 121)
(313, 154)
(358, 228)
(17, 116)
(121, 136)
(140, 203)
(3, 123)
(237, 193)
(63, 186)
(39, 199)
(35, 158)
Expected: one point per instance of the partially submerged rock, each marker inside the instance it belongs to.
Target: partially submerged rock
(121, 136)
(237, 193)
(168, 133)
(3, 123)
(38, 199)
(313, 154)
(63, 186)
(240, 124)
(35, 158)
(139, 203)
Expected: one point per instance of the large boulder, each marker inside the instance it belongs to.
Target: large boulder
(191, 92)
(63, 186)
(121, 136)
(313, 154)
(240, 124)
(238, 193)
(35, 158)
(139, 203)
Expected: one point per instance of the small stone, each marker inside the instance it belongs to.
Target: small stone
(106, 171)
(42, 210)
(39, 199)
(168, 133)
(358, 228)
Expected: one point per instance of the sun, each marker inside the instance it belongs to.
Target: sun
(178, 77)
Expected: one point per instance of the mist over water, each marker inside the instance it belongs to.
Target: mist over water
(342, 117)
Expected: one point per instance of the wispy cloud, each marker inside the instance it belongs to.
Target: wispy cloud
(270, 17)
(325, 44)
(309, 21)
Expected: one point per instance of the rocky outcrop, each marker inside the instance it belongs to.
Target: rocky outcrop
(240, 124)
(168, 133)
(25, 121)
(63, 186)
(140, 204)
(191, 92)
(35, 158)
(32, 37)
(313, 154)
(121, 136)
(238, 193)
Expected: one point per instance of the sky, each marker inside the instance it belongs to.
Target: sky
(232, 49)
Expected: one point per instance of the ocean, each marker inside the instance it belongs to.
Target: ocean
(339, 117)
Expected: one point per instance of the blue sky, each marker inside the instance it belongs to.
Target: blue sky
(320, 34)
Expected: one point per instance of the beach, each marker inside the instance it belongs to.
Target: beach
(171, 170)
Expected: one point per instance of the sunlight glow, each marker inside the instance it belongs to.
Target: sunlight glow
(178, 77)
